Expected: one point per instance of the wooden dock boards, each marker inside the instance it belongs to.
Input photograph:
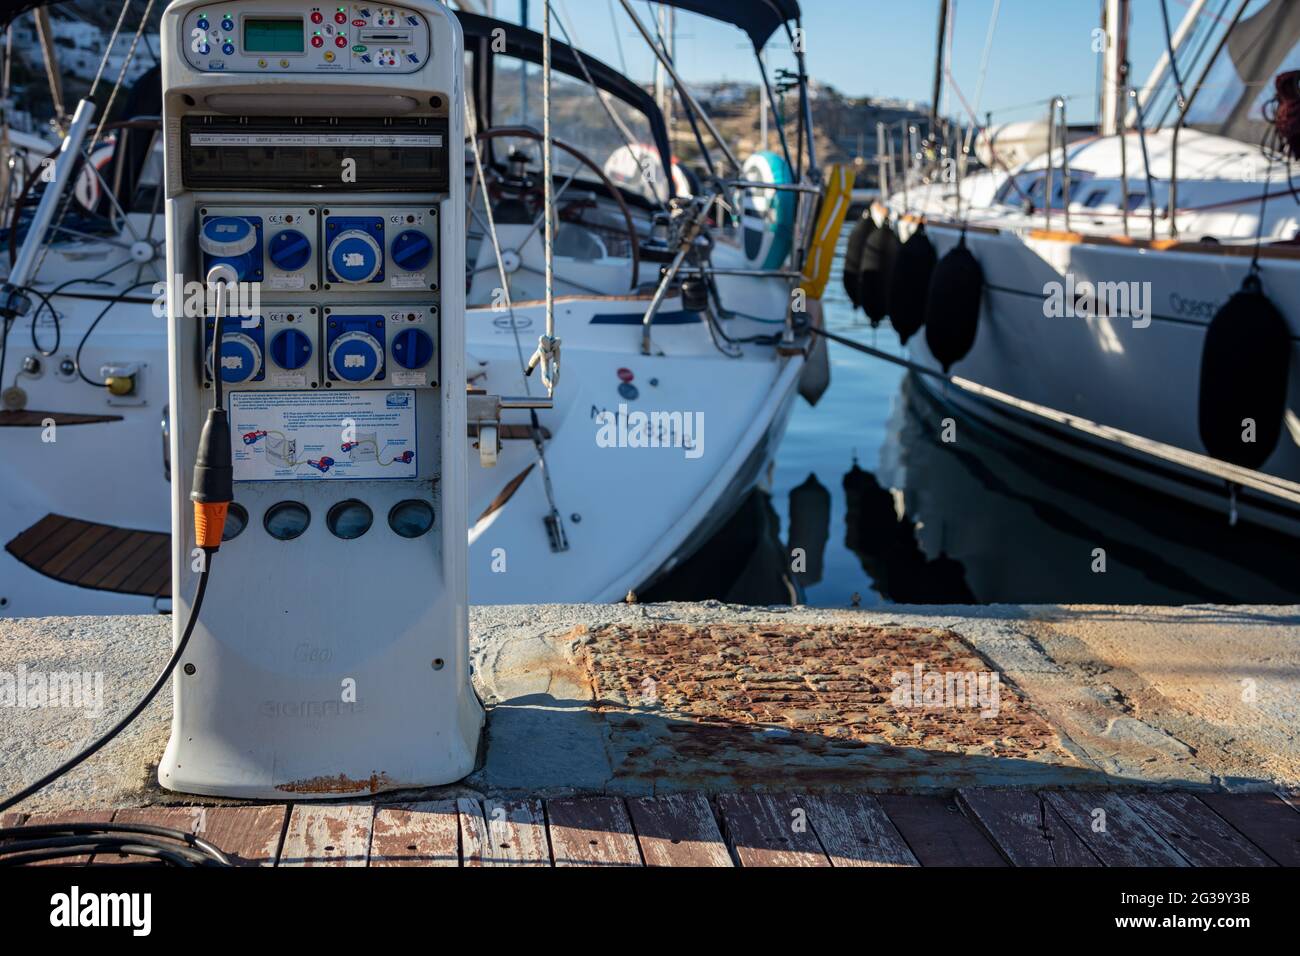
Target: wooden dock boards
(1265, 819)
(1026, 828)
(854, 830)
(503, 833)
(416, 834)
(678, 829)
(592, 831)
(328, 834)
(1113, 829)
(768, 829)
(752, 829)
(1197, 833)
(937, 833)
(74, 816)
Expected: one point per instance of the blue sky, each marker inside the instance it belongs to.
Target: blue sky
(886, 47)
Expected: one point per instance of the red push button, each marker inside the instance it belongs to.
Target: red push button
(340, 40)
(318, 42)
(317, 16)
(340, 17)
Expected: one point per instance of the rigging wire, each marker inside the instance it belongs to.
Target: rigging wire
(547, 355)
(99, 129)
(614, 118)
(1173, 59)
(108, 49)
(618, 40)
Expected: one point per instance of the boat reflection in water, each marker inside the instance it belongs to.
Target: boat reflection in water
(980, 519)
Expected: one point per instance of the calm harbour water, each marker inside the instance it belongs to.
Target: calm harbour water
(887, 513)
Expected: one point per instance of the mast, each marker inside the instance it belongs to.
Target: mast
(1115, 24)
(45, 35)
(663, 82)
(523, 69)
(939, 46)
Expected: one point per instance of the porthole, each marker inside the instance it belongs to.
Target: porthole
(236, 521)
(349, 519)
(286, 520)
(411, 518)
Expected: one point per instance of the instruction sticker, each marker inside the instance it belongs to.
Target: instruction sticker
(292, 436)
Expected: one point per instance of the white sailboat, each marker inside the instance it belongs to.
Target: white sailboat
(1106, 257)
(681, 353)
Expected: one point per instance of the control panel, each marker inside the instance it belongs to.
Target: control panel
(310, 183)
(271, 36)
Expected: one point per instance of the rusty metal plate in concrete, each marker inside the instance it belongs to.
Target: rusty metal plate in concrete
(828, 705)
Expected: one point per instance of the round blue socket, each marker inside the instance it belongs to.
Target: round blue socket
(412, 250)
(290, 349)
(289, 250)
(412, 348)
(355, 357)
(231, 240)
(355, 257)
(227, 236)
(239, 359)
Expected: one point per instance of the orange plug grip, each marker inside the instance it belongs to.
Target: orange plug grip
(209, 523)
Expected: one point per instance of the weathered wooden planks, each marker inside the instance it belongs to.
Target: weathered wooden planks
(249, 836)
(1058, 828)
(1025, 828)
(594, 831)
(678, 829)
(503, 833)
(937, 833)
(768, 829)
(183, 819)
(70, 816)
(1263, 818)
(416, 834)
(854, 830)
(1113, 830)
(1199, 834)
(328, 834)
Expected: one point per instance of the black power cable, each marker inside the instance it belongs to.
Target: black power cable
(212, 494)
(31, 844)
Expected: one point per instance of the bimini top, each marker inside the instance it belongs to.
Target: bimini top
(758, 18)
(525, 44)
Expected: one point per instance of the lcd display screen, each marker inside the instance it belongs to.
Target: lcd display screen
(262, 35)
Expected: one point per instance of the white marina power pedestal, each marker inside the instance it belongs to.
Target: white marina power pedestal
(314, 153)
